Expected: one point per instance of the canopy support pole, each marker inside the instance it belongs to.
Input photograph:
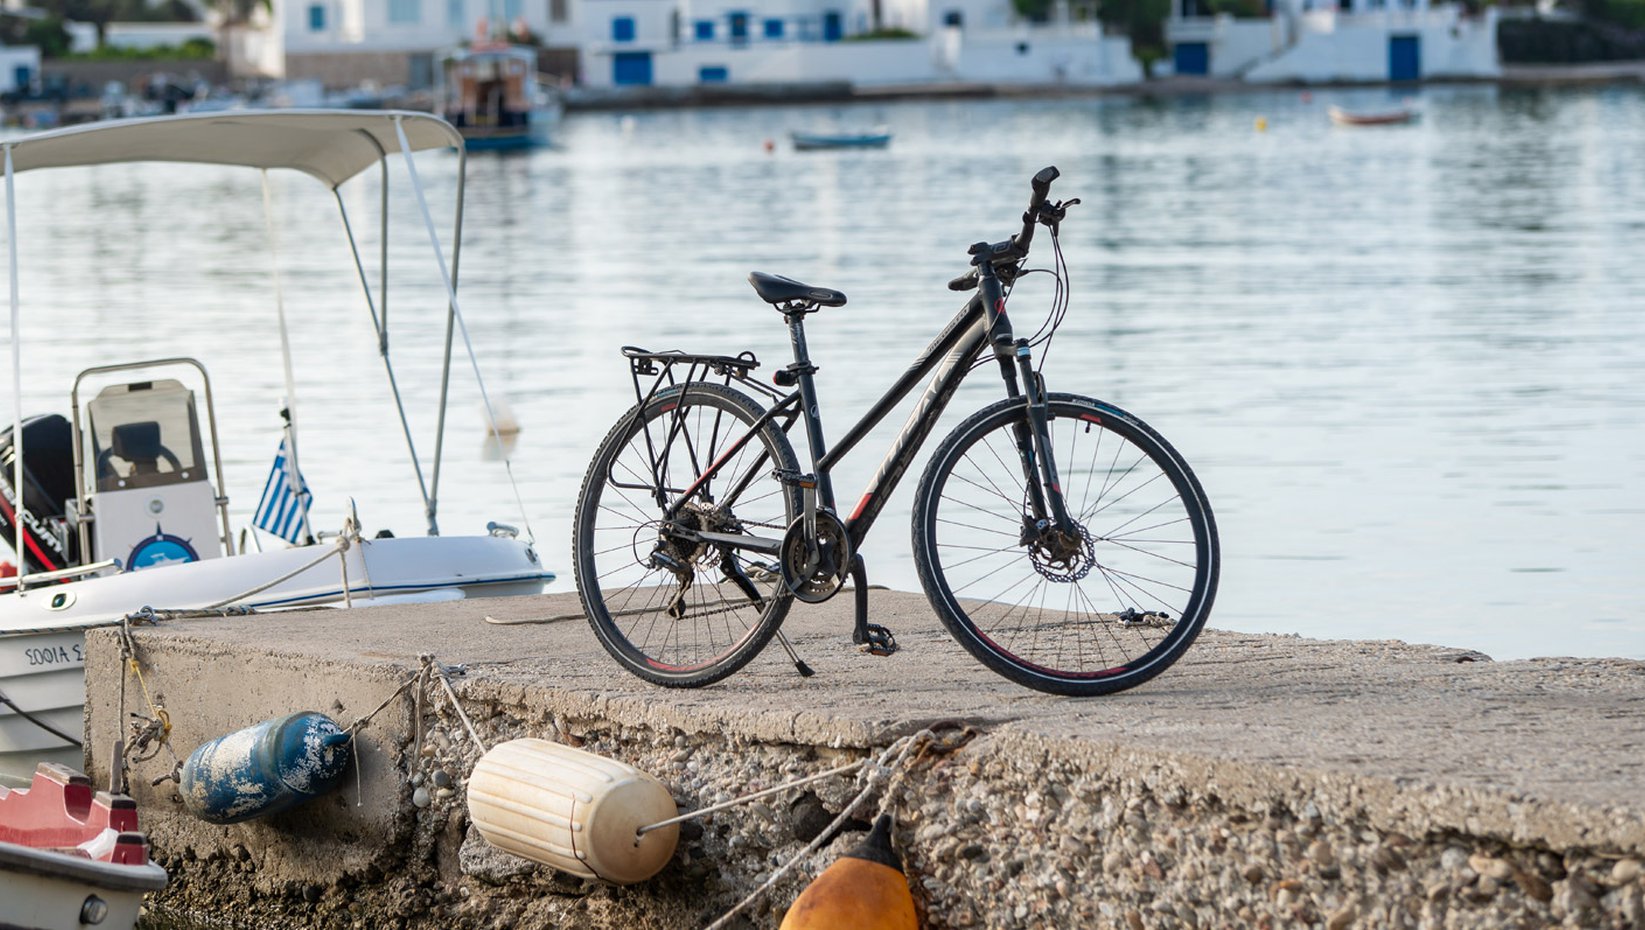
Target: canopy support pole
(451, 319)
(456, 312)
(382, 252)
(16, 379)
(294, 478)
(381, 325)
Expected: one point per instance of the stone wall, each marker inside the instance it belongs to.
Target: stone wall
(1021, 827)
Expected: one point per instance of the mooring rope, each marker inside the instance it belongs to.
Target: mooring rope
(879, 775)
(340, 549)
(37, 721)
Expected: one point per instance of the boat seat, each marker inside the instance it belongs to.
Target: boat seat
(776, 289)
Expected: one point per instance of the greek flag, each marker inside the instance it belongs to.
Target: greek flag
(283, 509)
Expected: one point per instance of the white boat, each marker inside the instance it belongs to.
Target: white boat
(124, 504)
(71, 858)
(496, 98)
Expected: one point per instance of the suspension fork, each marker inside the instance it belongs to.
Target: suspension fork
(1033, 437)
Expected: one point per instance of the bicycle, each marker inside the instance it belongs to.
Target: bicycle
(1062, 542)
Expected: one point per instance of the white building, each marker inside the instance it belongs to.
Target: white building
(683, 43)
(679, 43)
(19, 68)
(1318, 41)
(345, 42)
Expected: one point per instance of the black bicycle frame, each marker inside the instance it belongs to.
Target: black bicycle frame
(951, 355)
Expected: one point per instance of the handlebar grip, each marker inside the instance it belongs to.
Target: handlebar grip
(964, 282)
(1042, 182)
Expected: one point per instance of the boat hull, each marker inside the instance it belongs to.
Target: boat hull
(810, 142)
(45, 890)
(42, 649)
(537, 131)
(1392, 118)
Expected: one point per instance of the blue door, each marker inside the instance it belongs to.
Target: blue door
(1404, 58)
(631, 68)
(833, 26)
(1193, 58)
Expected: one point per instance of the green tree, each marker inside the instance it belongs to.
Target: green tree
(1142, 20)
(97, 12)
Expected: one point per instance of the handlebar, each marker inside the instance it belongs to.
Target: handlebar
(1016, 248)
(1042, 187)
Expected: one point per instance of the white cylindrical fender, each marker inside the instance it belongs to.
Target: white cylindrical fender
(572, 810)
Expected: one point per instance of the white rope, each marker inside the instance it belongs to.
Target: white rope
(457, 314)
(693, 815)
(456, 705)
(342, 560)
(340, 550)
(879, 775)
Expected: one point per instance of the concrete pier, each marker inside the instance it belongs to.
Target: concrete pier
(1264, 781)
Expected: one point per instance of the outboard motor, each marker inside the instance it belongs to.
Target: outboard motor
(48, 486)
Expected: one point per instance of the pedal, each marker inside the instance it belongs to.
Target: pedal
(875, 640)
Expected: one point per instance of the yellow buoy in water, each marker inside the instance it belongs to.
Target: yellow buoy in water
(572, 810)
(865, 889)
(1262, 124)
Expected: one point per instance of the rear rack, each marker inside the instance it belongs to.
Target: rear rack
(662, 367)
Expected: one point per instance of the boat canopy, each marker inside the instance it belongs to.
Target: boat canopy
(330, 145)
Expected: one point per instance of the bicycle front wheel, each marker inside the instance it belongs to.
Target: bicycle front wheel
(1105, 609)
(671, 608)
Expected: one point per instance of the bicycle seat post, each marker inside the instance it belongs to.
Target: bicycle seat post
(800, 372)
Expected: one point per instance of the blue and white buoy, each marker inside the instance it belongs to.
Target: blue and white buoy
(266, 768)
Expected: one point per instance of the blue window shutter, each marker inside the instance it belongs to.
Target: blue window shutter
(622, 29)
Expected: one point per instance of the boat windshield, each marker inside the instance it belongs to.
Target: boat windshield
(145, 434)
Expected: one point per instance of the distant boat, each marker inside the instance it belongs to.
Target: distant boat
(818, 141)
(1382, 118)
(496, 99)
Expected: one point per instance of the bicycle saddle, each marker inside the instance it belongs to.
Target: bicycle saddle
(776, 289)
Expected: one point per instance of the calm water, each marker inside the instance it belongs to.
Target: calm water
(1406, 363)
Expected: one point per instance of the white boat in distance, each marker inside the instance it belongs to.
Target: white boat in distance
(117, 506)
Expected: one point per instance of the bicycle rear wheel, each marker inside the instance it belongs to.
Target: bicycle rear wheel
(1100, 614)
(674, 611)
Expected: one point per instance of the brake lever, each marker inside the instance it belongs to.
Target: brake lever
(1052, 215)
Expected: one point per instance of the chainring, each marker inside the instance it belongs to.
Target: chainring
(815, 573)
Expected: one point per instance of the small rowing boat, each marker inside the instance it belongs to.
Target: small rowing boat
(1384, 118)
(822, 141)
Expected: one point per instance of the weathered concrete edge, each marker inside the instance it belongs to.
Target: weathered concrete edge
(1410, 807)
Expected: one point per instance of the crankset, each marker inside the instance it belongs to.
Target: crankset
(815, 567)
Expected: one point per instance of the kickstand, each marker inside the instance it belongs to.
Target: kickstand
(735, 574)
(869, 637)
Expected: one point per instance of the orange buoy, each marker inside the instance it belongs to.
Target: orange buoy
(865, 889)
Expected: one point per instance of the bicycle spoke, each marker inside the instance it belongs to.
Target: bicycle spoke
(661, 600)
(1051, 606)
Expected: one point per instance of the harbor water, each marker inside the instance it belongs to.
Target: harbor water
(1407, 363)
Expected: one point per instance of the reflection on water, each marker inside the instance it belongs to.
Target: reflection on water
(1405, 362)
